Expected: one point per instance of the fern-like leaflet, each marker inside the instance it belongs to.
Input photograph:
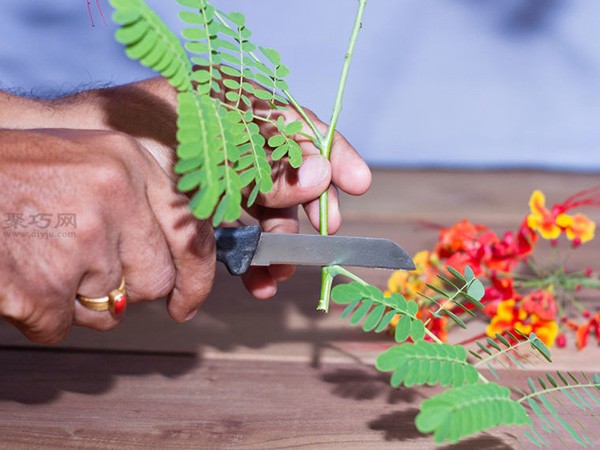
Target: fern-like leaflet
(150, 41)
(469, 409)
(464, 289)
(508, 347)
(427, 363)
(204, 126)
(224, 39)
(221, 147)
(364, 300)
(473, 404)
(581, 392)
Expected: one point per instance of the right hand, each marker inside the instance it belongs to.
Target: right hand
(130, 221)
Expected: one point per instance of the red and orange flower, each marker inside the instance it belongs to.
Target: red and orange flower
(550, 224)
(509, 303)
(534, 313)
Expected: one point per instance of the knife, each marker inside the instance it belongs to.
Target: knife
(241, 247)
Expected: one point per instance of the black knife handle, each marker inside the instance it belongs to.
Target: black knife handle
(236, 247)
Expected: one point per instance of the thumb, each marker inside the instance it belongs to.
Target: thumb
(294, 187)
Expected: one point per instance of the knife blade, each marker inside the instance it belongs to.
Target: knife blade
(241, 247)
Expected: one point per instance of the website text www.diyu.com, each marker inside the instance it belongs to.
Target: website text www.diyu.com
(40, 225)
(39, 234)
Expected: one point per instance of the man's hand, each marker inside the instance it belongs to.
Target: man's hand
(277, 211)
(146, 111)
(130, 222)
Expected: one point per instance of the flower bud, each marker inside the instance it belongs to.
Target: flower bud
(561, 340)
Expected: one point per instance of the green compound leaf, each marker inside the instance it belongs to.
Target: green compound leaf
(408, 324)
(219, 39)
(211, 137)
(222, 40)
(147, 39)
(226, 154)
(547, 403)
(253, 162)
(221, 149)
(442, 364)
(469, 409)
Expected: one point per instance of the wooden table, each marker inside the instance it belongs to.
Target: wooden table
(265, 374)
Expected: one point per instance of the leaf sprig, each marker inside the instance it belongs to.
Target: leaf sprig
(471, 403)
(221, 136)
(360, 299)
(582, 394)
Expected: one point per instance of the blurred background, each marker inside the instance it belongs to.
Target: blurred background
(453, 83)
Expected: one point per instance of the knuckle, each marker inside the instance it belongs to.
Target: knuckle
(15, 309)
(38, 325)
(110, 177)
(90, 231)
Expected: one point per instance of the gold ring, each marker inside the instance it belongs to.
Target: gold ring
(115, 301)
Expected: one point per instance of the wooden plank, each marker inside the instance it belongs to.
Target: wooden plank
(271, 374)
(71, 399)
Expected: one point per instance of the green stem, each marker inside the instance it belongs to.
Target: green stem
(315, 140)
(328, 273)
(558, 388)
(560, 280)
(327, 143)
(337, 106)
(334, 271)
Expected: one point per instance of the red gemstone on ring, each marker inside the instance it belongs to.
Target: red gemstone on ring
(119, 303)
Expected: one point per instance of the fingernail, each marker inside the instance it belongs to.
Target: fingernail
(313, 172)
(191, 315)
